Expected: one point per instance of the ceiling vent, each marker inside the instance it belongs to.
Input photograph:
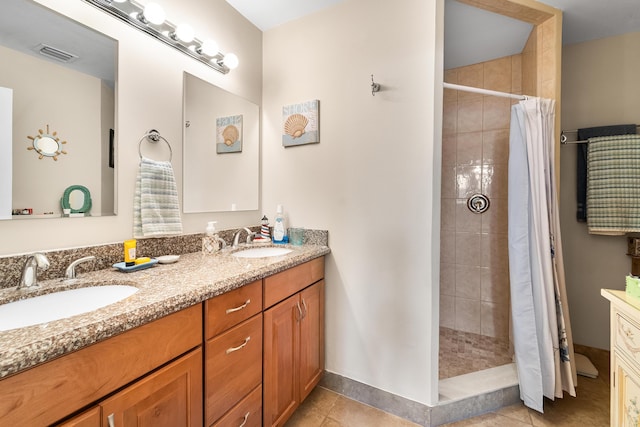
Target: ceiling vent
(55, 53)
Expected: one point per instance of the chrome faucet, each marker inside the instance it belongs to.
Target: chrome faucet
(236, 236)
(29, 276)
(70, 272)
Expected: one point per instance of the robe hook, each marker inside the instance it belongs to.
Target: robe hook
(375, 87)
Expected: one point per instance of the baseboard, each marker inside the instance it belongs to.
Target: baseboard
(450, 409)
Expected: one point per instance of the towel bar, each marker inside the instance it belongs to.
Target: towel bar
(154, 136)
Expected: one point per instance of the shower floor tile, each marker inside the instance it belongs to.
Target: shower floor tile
(463, 352)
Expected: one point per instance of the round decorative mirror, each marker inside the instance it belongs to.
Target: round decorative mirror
(47, 144)
(77, 199)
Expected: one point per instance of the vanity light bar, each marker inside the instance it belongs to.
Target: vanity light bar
(132, 13)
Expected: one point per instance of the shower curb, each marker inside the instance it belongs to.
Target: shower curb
(424, 415)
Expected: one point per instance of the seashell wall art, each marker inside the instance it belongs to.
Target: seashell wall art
(300, 124)
(229, 134)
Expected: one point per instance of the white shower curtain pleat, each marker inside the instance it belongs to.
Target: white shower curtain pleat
(541, 328)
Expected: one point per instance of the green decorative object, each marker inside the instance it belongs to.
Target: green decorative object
(69, 194)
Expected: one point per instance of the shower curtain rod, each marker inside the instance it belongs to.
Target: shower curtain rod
(483, 91)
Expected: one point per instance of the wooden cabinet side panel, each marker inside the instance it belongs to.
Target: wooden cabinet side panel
(233, 367)
(286, 283)
(311, 338)
(231, 308)
(170, 397)
(48, 392)
(280, 357)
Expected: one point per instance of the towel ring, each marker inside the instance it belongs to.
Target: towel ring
(154, 136)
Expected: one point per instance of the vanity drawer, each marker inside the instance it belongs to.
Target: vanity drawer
(233, 367)
(231, 308)
(286, 283)
(247, 413)
(627, 337)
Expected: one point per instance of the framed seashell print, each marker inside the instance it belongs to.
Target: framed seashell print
(229, 134)
(300, 124)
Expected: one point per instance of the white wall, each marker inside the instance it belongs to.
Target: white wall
(149, 95)
(6, 133)
(371, 181)
(599, 87)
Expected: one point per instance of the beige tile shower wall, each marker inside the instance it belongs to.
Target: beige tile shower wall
(474, 283)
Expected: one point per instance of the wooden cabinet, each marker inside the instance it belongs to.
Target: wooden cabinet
(293, 339)
(169, 397)
(263, 353)
(625, 358)
(233, 356)
(52, 391)
(89, 418)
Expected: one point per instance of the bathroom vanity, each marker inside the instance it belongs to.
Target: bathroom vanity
(186, 349)
(625, 358)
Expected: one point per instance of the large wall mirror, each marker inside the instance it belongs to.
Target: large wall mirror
(57, 84)
(221, 149)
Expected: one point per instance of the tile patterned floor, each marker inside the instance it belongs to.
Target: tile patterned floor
(464, 352)
(324, 408)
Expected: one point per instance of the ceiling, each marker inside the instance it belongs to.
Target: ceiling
(467, 39)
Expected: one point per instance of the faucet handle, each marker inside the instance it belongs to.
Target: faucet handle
(41, 260)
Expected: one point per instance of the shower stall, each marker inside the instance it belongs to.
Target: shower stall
(474, 260)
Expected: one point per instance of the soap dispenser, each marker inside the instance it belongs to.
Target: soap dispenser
(211, 242)
(280, 227)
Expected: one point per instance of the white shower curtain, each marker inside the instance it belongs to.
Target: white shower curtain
(541, 329)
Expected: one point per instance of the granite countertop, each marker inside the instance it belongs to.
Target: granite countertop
(163, 289)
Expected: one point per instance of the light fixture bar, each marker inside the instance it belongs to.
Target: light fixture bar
(129, 11)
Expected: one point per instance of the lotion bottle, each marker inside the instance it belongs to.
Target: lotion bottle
(280, 227)
(210, 241)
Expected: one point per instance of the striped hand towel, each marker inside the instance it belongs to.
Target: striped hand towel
(156, 211)
(613, 184)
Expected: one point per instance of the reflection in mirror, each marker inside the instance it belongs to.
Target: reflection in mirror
(62, 74)
(76, 199)
(220, 173)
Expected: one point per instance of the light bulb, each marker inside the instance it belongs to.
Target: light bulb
(231, 60)
(185, 33)
(209, 48)
(154, 13)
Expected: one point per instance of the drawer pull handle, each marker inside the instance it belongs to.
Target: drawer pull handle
(233, 310)
(300, 315)
(304, 304)
(241, 346)
(628, 338)
(246, 417)
(111, 420)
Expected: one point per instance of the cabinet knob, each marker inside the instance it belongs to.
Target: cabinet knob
(111, 420)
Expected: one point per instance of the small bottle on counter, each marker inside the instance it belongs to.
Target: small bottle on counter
(211, 240)
(280, 227)
(130, 252)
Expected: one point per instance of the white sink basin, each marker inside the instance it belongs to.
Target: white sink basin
(261, 252)
(60, 305)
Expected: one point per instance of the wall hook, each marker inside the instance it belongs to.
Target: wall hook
(375, 87)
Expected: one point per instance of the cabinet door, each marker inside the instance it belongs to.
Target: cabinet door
(281, 348)
(169, 397)
(311, 338)
(626, 393)
(89, 418)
